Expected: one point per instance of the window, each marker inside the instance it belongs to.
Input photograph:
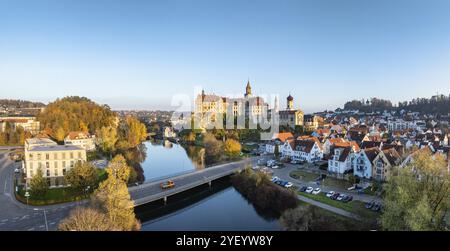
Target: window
(47, 156)
(71, 155)
(63, 164)
(64, 171)
(39, 165)
(39, 156)
(79, 155)
(31, 156)
(47, 164)
(56, 172)
(71, 163)
(55, 156)
(56, 164)
(48, 173)
(31, 173)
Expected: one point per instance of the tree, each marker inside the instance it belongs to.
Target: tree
(297, 219)
(213, 148)
(87, 219)
(131, 133)
(119, 166)
(60, 134)
(38, 184)
(82, 176)
(107, 138)
(417, 196)
(232, 148)
(113, 199)
(276, 151)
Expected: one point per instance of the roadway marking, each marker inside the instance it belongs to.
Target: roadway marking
(30, 229)
(5, 220)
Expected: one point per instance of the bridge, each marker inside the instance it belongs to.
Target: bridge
(150, 192)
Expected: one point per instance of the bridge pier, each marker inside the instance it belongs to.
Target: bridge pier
(165, 200)
(209, 183)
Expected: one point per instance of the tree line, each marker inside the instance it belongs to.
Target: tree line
(9, 136)
(17, 103)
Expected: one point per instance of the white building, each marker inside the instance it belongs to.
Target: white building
(304, 150)
(29, 124)
(362, 163)
(81, 139)
(54, 160)
(341, 160)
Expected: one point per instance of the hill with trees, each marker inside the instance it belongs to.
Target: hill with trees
(75, 114)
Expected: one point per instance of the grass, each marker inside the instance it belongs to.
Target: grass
(57, 195)
(53, 196)
(304, 176)
(355, 206)
(332, 182)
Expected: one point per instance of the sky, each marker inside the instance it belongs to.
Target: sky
(139, 54)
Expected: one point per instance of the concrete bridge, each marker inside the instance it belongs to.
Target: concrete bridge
(150, 192)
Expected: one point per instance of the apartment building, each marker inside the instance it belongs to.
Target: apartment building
(54, 160)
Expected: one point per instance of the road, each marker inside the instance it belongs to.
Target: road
(17, 216)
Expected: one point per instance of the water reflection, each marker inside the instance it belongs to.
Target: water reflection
(160, 158)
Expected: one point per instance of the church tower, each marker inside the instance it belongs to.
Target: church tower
(290, 103)
(248, 90)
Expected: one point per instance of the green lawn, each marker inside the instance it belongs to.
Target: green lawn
(355, 206)
(332, 182)
(53, 196)
(56, 195)
(303, 176)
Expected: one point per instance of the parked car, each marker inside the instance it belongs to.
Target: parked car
(316, 191)
(340, 197)
(369, 205)
(274, 178)
(376, 207)
(17, 170)
(303, 189)
(275, 167)
(334, 196)
(288, 184)
(309, 190)
(330, 193)
(255, 167)
(295, 162)
(347, 198)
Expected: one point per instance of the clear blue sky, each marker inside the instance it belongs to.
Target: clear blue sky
(137, 54)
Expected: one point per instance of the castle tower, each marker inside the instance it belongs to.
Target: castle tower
(290, 102)
(248, 90)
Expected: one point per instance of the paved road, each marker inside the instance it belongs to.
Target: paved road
(328, 207)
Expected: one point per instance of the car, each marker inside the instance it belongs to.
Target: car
(335, 196)
(376, 207)
(369, 205)
(17, 170)
(347, 198)
(274, 179)
(316, 191)
(330, 193)
(303, 189)
(288, 185)
(341, 197)
(275, 167)
(168, 184)
(309, 190)
(255, 167)
(295, 162)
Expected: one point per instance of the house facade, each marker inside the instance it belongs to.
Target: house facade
(81, 139)
(303, 150)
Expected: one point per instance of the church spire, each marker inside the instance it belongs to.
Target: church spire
(248, 89)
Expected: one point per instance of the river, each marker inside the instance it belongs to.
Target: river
(220, 207)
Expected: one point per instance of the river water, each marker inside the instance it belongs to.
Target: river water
(220, 208)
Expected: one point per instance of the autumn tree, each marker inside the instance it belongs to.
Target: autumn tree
(417, 197)
(213, 148)
(38, 184)
(82, 177)
(131, 133)
(87, 219)
(232, 148)
(113, 199)
(108, 137)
